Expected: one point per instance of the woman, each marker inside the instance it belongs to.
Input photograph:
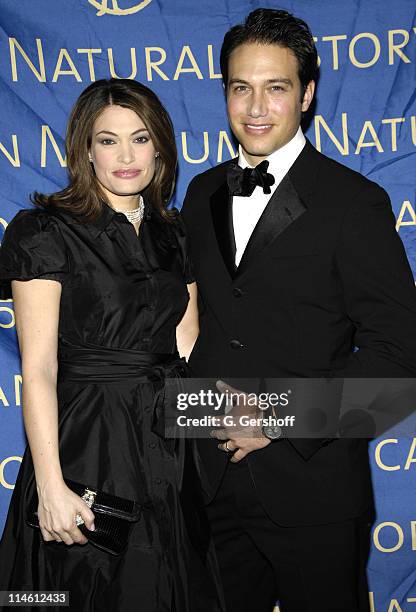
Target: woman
(101, 282)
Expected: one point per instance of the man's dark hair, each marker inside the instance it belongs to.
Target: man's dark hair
(273, 27)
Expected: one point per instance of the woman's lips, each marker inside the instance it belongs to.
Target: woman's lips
(126, 174)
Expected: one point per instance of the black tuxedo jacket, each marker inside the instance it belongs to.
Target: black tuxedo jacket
(324, 271)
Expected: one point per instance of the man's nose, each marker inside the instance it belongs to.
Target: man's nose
(257, 105)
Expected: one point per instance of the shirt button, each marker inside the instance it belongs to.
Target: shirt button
(152, 444)
(158, 481)
(236, 344)
(149, 276)
(237, 292)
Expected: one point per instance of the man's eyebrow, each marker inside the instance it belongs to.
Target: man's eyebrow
(280, 80)
(113, 134)
(268, 81)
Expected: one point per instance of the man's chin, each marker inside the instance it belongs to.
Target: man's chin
(260, 152)
(259, 148)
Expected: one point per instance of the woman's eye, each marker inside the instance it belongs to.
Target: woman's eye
(142, 139)
(106, 141)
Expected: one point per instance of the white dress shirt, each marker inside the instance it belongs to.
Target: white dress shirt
(248, 210)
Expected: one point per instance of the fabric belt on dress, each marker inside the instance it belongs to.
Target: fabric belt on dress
(103, 364)
(95, 364)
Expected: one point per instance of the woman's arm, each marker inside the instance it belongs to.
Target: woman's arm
(188, 329)
(36, 305)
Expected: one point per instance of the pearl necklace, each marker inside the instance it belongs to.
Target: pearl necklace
(136, 215)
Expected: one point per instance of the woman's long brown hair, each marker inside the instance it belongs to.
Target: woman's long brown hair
(84, 196)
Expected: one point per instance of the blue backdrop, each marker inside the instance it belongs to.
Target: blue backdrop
(365, 117)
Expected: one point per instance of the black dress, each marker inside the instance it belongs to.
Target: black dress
(122, 297)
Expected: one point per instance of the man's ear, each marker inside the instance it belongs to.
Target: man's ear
(308, 96)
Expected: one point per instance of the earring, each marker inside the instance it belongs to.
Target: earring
(157, 154)
(90, 158)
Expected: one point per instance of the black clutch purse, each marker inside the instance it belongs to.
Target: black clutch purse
(114, 516)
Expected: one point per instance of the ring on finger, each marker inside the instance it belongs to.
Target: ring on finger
(78, 520)
(229, 450)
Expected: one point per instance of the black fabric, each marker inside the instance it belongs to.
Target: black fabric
(222, 218)
(318, 568)
(325, 271)
(242, 182)
(283, 208)
(122, 297)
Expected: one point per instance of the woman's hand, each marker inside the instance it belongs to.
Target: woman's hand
(58, 506)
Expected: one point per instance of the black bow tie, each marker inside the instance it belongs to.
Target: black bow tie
(243, 182)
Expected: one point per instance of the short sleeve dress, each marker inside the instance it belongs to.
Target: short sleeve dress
(122, 297)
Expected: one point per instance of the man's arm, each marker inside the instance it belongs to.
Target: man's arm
(380, 299)
(378, 289)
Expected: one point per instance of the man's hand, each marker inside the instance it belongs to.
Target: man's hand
(241, 431)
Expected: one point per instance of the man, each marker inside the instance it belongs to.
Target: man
(297, 262)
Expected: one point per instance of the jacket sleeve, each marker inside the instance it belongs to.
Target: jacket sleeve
(379, 290)
(380, 300)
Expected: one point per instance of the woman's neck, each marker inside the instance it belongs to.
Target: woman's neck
(124, 203)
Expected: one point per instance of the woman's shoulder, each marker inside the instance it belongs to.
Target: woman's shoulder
(177, 222)
(32, 245)
(168, 226)
(182, 242)
(31, 221)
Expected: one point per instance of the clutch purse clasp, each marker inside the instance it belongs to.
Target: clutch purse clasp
(89, 497)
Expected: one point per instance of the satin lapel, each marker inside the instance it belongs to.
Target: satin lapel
(221, 211)
(283, 208)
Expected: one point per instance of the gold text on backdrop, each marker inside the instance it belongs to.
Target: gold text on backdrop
(104, 7)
